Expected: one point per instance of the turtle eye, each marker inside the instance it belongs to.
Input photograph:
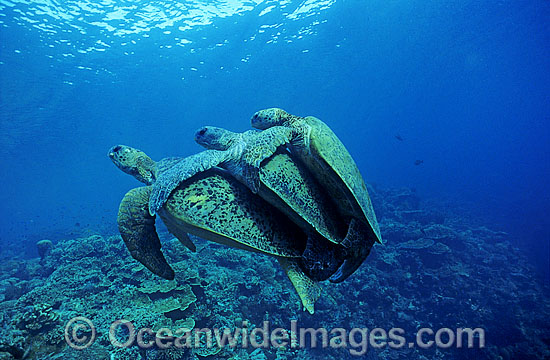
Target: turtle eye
(116, 148)
(202, 132)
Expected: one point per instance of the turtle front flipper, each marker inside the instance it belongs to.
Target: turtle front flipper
(251, 177)
(181, 171)
(264, 145)
(358, 243)
(138, 231)
(308, 290)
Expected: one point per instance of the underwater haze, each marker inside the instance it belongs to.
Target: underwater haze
(447, 102)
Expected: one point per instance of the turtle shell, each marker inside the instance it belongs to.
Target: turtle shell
(290, 187)
(333, 166)
(215, 206)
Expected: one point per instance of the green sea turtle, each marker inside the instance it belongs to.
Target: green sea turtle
(283, 183)
(214, 206)
(320, 150)
(289, 186)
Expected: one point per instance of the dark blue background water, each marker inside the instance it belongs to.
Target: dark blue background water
(465, 84)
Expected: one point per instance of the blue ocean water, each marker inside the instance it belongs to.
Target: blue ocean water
(450, 99)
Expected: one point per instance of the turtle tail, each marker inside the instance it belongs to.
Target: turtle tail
(137, 228)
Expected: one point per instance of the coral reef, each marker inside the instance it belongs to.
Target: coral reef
(44, 248)
(435, 270)
(37, 318)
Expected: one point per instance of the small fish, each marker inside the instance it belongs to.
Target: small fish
(418, 162)
(398, 137)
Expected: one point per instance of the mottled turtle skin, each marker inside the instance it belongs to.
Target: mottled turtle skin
(215, 206)
(320, 150)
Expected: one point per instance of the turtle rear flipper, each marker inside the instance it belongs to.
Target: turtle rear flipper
(321, 258)
(308, 290)
(137, 228)
(358, 243)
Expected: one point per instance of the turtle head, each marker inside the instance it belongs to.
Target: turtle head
(215, 138)
(264, 119)
(134, 162)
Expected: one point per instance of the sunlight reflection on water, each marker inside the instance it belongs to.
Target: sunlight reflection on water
(108, 23)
